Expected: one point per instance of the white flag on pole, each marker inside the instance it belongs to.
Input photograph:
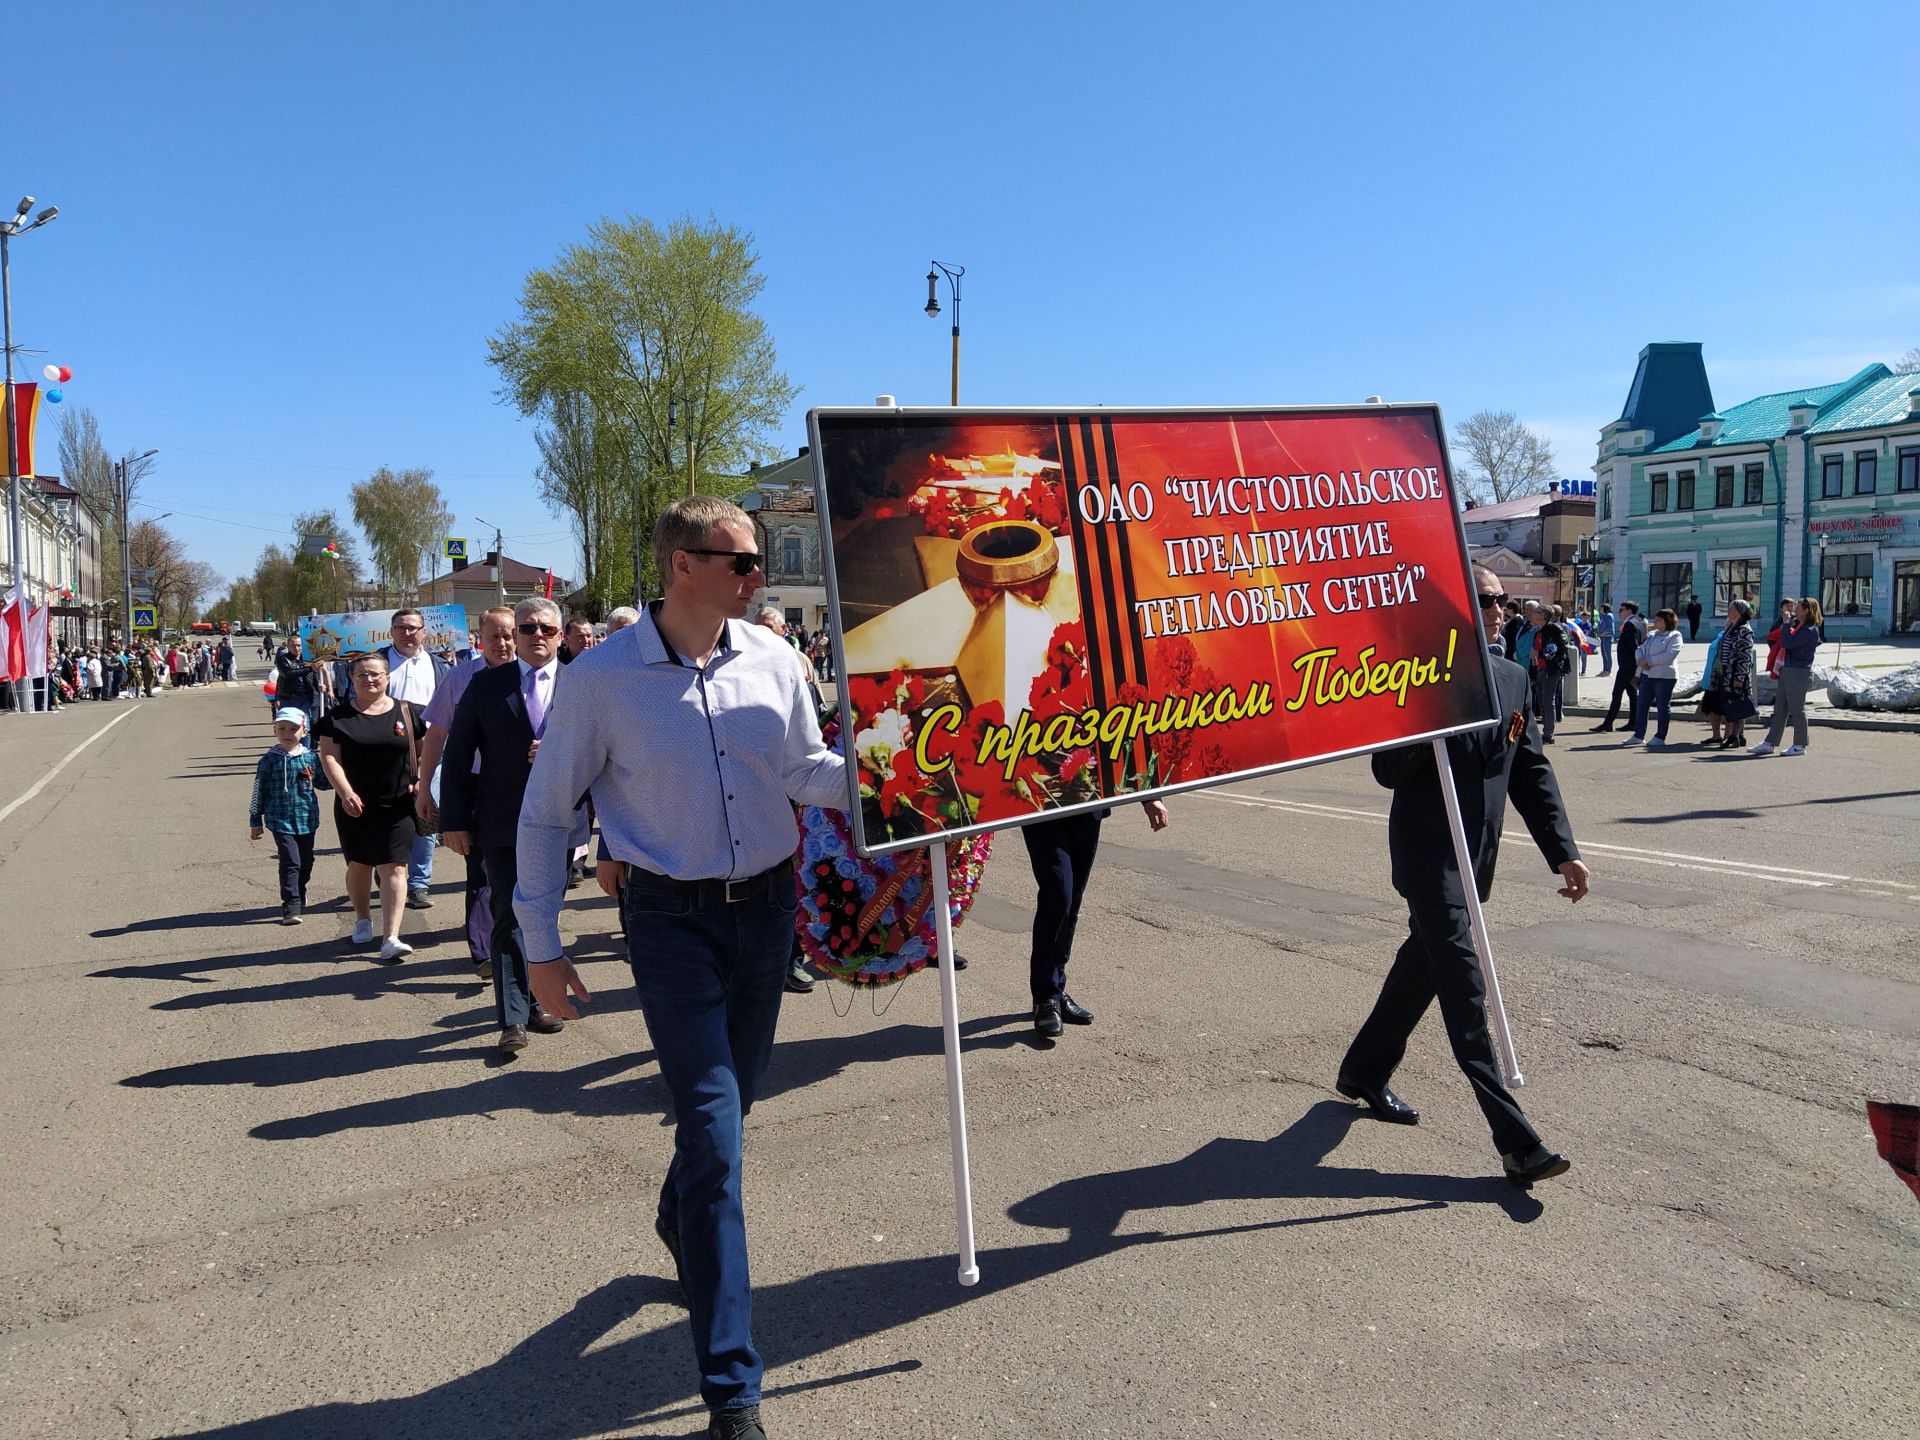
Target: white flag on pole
(37, 646)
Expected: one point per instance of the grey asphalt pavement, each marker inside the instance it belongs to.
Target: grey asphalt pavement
(259, 1187)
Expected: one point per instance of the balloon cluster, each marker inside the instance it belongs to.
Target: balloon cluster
(332, 552)
(59, 374)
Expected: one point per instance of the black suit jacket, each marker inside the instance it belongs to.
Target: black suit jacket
(490, 721)
(1488, 770)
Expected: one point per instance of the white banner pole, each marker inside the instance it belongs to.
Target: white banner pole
(1463, 856)
(936, 854)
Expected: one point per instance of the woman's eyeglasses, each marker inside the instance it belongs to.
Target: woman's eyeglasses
(530, 628)
(745, 562)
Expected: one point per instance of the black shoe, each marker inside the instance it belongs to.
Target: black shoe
(1546, 739)
(671, 1239)
(419, 900)
(1046, 1019)
(799, 982)
(1601, 729)
(1073, 1012)
(959, 962)
(1541, 1164)
(513, 1038)
(541, 1023)
(741, 1424)
(1384, 1104)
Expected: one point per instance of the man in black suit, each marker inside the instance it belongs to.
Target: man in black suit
(501, 719)
(1625, 675)
(1438, 959)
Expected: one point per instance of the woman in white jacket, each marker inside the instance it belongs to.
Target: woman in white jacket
(1655, 659)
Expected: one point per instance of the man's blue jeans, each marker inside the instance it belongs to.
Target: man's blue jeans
(710, 976)
(420, 863)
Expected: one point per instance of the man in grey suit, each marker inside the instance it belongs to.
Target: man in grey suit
(1437, 960)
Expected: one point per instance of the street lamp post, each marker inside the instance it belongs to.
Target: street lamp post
(499, 560)
(953, 274)
(16, 517)
(123, 492)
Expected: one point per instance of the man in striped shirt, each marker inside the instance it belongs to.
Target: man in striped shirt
(696, 737)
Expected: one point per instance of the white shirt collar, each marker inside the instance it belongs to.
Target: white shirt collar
(547, 669)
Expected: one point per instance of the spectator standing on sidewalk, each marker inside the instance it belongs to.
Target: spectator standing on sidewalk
(1655, 659)
(286, 805)
(1604, 629)
(1736, 673)
(1694, 612)
(413, 676)
(1626, 679)
(1797, 645)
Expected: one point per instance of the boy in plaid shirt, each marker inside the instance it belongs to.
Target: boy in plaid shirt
(285, 803)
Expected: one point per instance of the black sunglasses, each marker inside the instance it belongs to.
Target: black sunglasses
(530, 628)
(745, 562)
(1487, 602)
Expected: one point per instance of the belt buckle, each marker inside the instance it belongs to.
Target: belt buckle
(733, 899)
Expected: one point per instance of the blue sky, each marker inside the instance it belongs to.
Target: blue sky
(287, 230)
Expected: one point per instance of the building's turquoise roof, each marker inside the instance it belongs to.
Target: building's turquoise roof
(1762, 418)
(1884, 402)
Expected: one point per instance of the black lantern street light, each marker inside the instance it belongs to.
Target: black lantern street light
(953, 274)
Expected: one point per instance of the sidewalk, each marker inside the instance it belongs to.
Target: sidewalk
(1870, 658)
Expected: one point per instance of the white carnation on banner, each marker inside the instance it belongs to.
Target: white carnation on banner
(881, 741)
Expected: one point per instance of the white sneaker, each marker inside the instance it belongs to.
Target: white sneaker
(395, 949)
(1763, 748)
(1794, 750)
(1632, 740)
(363, 932)
(1656, 743)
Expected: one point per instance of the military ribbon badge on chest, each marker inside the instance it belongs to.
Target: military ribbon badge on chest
(1516, 726)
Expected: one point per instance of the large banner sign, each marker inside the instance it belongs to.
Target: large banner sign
(329, 637)
(1037, 612)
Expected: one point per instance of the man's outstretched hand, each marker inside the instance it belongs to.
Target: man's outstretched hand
(551, 983)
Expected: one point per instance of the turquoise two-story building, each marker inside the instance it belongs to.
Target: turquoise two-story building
(1806, 492)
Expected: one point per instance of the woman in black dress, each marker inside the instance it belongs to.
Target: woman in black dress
(370, 748)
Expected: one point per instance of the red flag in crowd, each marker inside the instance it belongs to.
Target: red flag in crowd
(1896, 1130)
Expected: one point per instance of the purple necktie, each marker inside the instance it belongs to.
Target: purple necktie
(537, 702)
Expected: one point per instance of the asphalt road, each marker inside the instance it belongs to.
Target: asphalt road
(258, 1187)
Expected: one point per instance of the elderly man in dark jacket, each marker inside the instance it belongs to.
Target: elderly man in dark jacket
(1438, 959)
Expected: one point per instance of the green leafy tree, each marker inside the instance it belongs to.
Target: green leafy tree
(403, 516)
(650, 333)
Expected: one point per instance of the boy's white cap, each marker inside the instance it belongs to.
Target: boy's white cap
(289, 714)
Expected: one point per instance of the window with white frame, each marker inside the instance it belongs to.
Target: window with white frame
(1846, 584)
(1734, 580)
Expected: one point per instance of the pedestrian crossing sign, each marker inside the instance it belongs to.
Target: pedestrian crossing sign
(144, 618)
(456, 547)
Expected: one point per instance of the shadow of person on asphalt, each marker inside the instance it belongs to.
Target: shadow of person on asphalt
(1289, 1166)
(650, 1378)
(585, 1090)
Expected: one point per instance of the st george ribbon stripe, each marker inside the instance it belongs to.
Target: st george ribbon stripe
(1126, 555)
(1083, 579)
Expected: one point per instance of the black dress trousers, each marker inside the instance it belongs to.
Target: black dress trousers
(1438, 961)
(1062, 853)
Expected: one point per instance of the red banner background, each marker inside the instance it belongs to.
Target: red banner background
(1242, 590)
